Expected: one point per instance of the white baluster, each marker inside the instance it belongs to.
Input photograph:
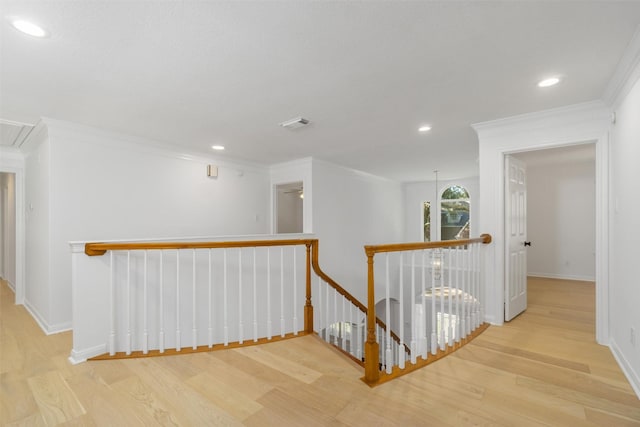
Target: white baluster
(434, 337)
(469, 305)
(128, 303)
(423, 321)
(327, 333)
(295, 293)
(465, 296)
(481, 281)
(225, 300)
(413, 344)
(342, 326)
(476, 273)
(161, 333)
(387, 319)
(441, 332)
(459, 299)
(319, 326)
(351, 342)
(385, 356)
(255, 299)
(178, 347)
(473, 287)
(240, 301)
(269, 322)
(450, 291)
(210, 320)
(282, 291)
(112, 308)
(194, 324)
(401, 357)
(360, 337)
(145, 302)
(334, 321)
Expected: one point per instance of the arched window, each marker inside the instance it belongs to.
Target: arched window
(454, 213)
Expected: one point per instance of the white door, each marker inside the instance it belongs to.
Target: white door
(516, 238)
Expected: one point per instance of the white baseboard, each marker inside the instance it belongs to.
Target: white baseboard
(627, 369)
(11, 285)
(81, 356)
(44, 325)
(491, 320)
(562, 277)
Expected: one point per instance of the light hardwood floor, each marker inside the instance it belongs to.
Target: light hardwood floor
(543, 368)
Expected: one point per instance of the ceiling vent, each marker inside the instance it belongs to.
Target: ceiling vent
(296, 123)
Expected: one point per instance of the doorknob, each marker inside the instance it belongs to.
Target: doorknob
(527, 243)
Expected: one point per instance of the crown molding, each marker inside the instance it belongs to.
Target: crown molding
(627, 72)
(88, 134)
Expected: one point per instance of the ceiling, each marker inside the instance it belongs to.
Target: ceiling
(366, 74)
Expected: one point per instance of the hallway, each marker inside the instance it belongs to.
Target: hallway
(543, 368)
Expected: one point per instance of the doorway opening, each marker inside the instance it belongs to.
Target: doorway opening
(560, 219)
(289, 208)
(8, 229)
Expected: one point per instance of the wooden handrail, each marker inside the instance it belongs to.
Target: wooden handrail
(97, 249)
(399, 247)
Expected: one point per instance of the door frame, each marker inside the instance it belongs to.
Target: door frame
(12, 161)
(573, 125)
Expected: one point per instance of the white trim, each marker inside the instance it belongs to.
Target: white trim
(572, 125)
(46, 327)
(603, 206)
(355, 172)
(12, 161)
(68, 130)
(627, 369)
(577, 113)
(626, 74)
(562, 277)
(81, 356)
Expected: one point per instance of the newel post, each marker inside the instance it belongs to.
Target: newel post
(371, 347)
(308, 308)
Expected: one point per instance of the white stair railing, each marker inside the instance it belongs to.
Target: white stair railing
(148, 298)
(144, 296)
(439, 291)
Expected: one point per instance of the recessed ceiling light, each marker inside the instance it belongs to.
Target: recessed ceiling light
(549, 82)
(218, 147)
(425, 128)
(29, 28)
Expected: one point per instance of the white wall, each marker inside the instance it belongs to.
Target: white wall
(416, 193)
(561, 220)
(547, 129)
(352, 209)
(625, 227)
(102, 186)
(38, 281)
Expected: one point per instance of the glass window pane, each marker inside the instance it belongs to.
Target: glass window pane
(426, 221)
(455, 220)
(455, 192)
